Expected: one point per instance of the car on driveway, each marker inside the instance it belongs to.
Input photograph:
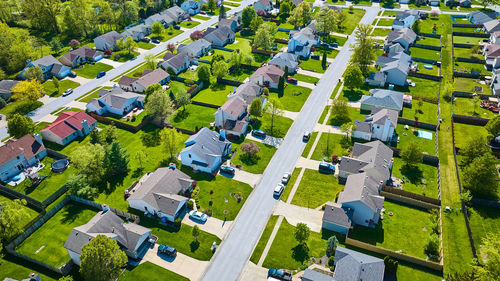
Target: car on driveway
(177, 27)
(156, 41)
(259, 133)
(327, 168)
(285, 178)
(67, 92)
(227, 170)
(167, 250)
(146, 39)
(279, 274)
(292, 80)
(101, 74)
(278, 190)
(72, 74)
(306, 136)
(197, 215)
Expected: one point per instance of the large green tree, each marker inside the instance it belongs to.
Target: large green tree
(19, 125)
(325, 21)
(353, 77)
(473, 148)
(89, 161)
(220, 69)
(171, 141)
(256, 23)
(16, 47)
(264, 37)
(490, 254)
(42, 14)
(211, 5)
(339, 111)
(256, 108)
(102, 259)
(481, 177)
(79, 186)
(493, 126)
(204, 74)
(247, 15)
(159, 105)
(157, 28)
(11, 213)
(302, 232)
(363, 51)
(412, 154)
(117, 160)
(301, 15)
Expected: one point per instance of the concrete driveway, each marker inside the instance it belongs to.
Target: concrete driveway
(243, 176)
(305, 84)
(272, 141)
(78, 79)
(113, 63)
(307, 163)
(295, 214)
(309, 73)
(253, 272)
(290, 114)
(328, 129)
(181, 264)
(214, 226)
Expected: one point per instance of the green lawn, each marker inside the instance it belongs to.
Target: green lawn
(21, 106)
(466, 40)
(351, 20)
(423, 88)
(290, 184)
(428, 146)
(167, 34)
(380, 32)
(193, 117)
(145, 46)
(388, 234)
(200, 17)
(176, 87)
(91, 71)
(463, 132)
(257, 252)
(216, 94)
(315, 189)
(11, 267)
(407, 271)
(189, 74)
(420, 179)
(150, 271)
(232, 4)
(385, 22)
(30, 214)
(425, 53)
(293, 97)
(245, 46)
(466, 53)
(330, 144)
(430, 41)
(354, 114)
(305, 78)
(281, 35)
(421, 69)
(189, 24)
(468, 85)
(312, 65)
(124, 56)
(50, 89)
(279, 129)
(427, 113)
(255, 165)
(239, 74)
(46, 244)
(323, 114)
(443, 23)
(471, 67)
(420, 7)
(465, 106)
(354, 95)
(483, 220)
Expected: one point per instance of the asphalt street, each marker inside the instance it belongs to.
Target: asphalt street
(235, 250)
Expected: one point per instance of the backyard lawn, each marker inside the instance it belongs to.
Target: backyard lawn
(407, 137)
(430, 41)
(46, 244)
(468, 85)
(215, 94)
(464, 132)
(50, 89)
(259, 248)
(466, 40)
(315, 189)
(176, 87)
(11, 267)
(465, 106)
(330, 144)
(279, 129)
(425, 53)
(91, 71)
(151, 272)
(244, 45)
(255, 165)
(420, 179)
(483, 220)
(194, 117)
(442, 24)
(426, 113)
(423, 88)
(189, 24)
(466, 53)
(293, 97)
(239, 74)
(388, 234)
(30, 214)
(471, 67)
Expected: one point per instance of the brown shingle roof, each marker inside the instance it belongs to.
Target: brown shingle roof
(13, 148)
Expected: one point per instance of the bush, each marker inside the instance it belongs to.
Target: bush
(391, 265)
(177, 222)
(2, 103)
(188, 82)
(134, 117)
(190, 204)
(211, 191)
(209, 212)
(432, 246)
(210, 203)
(331, 260)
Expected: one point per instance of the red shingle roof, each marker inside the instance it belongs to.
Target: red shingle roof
(68, 122)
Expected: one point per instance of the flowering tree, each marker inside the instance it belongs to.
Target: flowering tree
(196, 35)
(74, 43)
(250, 149)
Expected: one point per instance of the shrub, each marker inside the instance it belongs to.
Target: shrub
(117, 56)
(2, 103)
(190, 204)
(134, 117)
(391, 265)
(211, 191)
(209, 212)
(331, 260)
(177, 222)
(210, 203)
(432, 246)
(188, 82)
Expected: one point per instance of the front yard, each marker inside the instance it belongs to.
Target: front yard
(315, 189)
(257, 164)
(330, 144)
(279, 129)
(193, 118)
(50, 89)
(293, 97)
(151, 272)
(259, 248)
(189, 24)
(90, 71)
(312, 65)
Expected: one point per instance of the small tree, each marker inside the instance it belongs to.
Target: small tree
(248, 59)
(250, 149)
(281, 84)
(323, 61)
(331, 245)
(256, 108)
(220, 69)
(27, 90)
(159, 105)
(222, 12)
(74, 43)
(247, 15)
(263, 37)
(196, 232)
(353, 77)
(412, 154)
(301, 15)
(274, 109)
(141, 157)
(171, 47)
(493, 126)
(55, 45)
(79, 186)
(302, 232)
(490, 252)
(183, 98)
(256, 23)
(150, 60)
(98, 252)
(347, 129)
(196, 35)
(33, 73)
(339, 112)
(480, 177)
(117, 160)
(416, 26)
(55, 81)
(157, 28)
(171, 141)
(204, 74)
(211, 5)
(130, 45)
(432, 245)
(19, 125)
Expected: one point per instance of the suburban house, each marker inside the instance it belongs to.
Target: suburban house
(137, 32)
(6, 88)
(313, 275)
(115, 101)
(195, 49)
(107, 41)
(355, 266)
(192, 7)
(480, 17)
(125, 83)
(301, 42)
(175, 13)
(491, 54)
(50, 66)
(336, 219)
(164, 18)
(16, 155)
(233, 117)
(405, 19)
(248, 92)
(68, 126)
(405, 37)
(220, 36)
(131, 237)
(84, 54)
(374, 157)
(163, 193)
(148, 78)
(461, 3)
(265, 5)
(283, 60)
(177, 62)
(232, 23)
(492, 26)
(394, 49)
(379, 125)
(267, 76)
(495, 83)
(381, 98)
(205, 150)
(394, 70)
(495, 37)
(404, 1)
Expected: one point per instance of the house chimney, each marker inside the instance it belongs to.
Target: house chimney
(38, 138)
(222, 135)
(105, 208)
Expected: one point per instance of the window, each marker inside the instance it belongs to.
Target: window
(189, 155)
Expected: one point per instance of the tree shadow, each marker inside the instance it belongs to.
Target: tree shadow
(138, 172)
(412, 173)
(194, 245)
(339, 120)
(300, 253)
(353, 95)
(180, 116)
(248, 160)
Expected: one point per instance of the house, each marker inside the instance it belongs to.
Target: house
(68, 126)
(163, 193)
(379, 125)
(50, 66)
(131, 237)
(377, 79)
(148, 78)
(164, 18)
(265, 5)
(492, 26)
(313, 275)
(126, 83)
(115, 101)
(233, 117)
(335, 218)
(495, 37)
(434, 3)
(220, 36)
(301, 42)
(248, 92)
(354, 266)
(84, 54)
(176, 13)
(232, 23)
(394, 49)
(176, 62)
(205, 150)
(284, 60)
(372, 157)
(195, 49)
(491, 54)
(137, 32)
(405, 19)
(404, 36)
(465, 3)
(381, 98)
(495, 83)
(107, 41)
(16, 155)
(192, 7)
(267, 76)
(395, 69)
(480, 17)
(6, 88)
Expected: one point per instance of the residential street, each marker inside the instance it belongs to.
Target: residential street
(235, 250)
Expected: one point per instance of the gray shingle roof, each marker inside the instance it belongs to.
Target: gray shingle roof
(365, 156)
(222, 33)
(336, 215)
(405, 34)
(115, 97)
(481, 17)
(355, 266)
(234, 107)
(110, 37)
(6, 86)
(46, 61)
(362, 187)
(380, 115)
(285, 59)
(153, 77)
(248, 92)
(312, 275)
(194, 47)
(207, 145)
(384, 98)
(177, 60)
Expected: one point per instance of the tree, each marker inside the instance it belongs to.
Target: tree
(480, 177)
(274, 110)
(88, 160)
(196, 232)
(347, 129)
(250, 149)
(102, 259)
(220, 69)
(204, 74)
(159, 105)
(28, 89)
(432, 245)
(32, 73)
(326, 21)
(150, 61)
(353, 77)
(247, 15)
(256, 108)
(94, 136)
(222, 12)
(55, 81)
(66, 278)
(473, 148)
(79, 186)
(157, 28)
(183, 98)
(107, 135)
(55, 45)
(493, 126)
(412, 154)
(340, 18)
(42, 14)
(211, 6)
(391, 265)
(463, 276)
(490, 252)
(285, 10)
(130, 45)
(196, 35)
(339, 111)
(16, 47)
(256, 23)
(331, 245)
(18, 126)
(323, 61)
(11, 213)
(171, 141)
(281, 84)
(117, 159)
(171, 47)
(236, 59)
(301, 15)
(302, 233)
(363, 51)
(264, 37)
(129, 13)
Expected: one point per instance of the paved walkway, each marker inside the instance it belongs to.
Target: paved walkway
(181, 264)
(355, 104)
(77, 104)
(305, 84)
(404, 7)
(328, 129)
(290, 114)
(436, 9)
(296, 214)
(307, 163)
(78, 79)
(246, 177)
(309, 73)
(48, 118)
(213, 225)
(113, 63)
(339, 34)
(46, 99)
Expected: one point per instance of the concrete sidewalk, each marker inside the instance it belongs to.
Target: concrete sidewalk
(113, 63)
(296, 214)
(309, 73)
(213, 226)
(307, 163)
(307, 85)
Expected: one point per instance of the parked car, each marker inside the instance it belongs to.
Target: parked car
(259, 133)
(197, 215)
(101, 74)
(315, 57)
(333, 45)
(285, 178)
(156, 41)
(146, 39)
(279, 274)
(72, 74)
(177, 27)
(67, 92)
(275, 47)
(306, 136)
(167, 250)
(278, 190)
(292, 80)
(327, 168)
(227, 170)
(324, 45)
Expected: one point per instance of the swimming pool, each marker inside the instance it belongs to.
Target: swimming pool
(428, 66)
(425, 134)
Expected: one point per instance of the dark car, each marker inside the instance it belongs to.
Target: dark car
(279, 274)
(326, 168)
(292, 80)
(259, 133)
(333, 45)
(306, 136)
(227, 170)
(146, 39)
(72, 74)
(315, 57)
(167, 250)
(177, 27)
(156, 41)
(101, 74)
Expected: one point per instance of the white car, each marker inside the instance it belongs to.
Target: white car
(285, 178)
(278, 190)
(197, 215)
(67, 92)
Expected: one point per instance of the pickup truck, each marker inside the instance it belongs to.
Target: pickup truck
(279, 274)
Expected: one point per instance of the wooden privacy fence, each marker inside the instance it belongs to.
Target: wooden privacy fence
(424, 76)
(120, 124)
(400, 192)
(417, 124)
(471, 120)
